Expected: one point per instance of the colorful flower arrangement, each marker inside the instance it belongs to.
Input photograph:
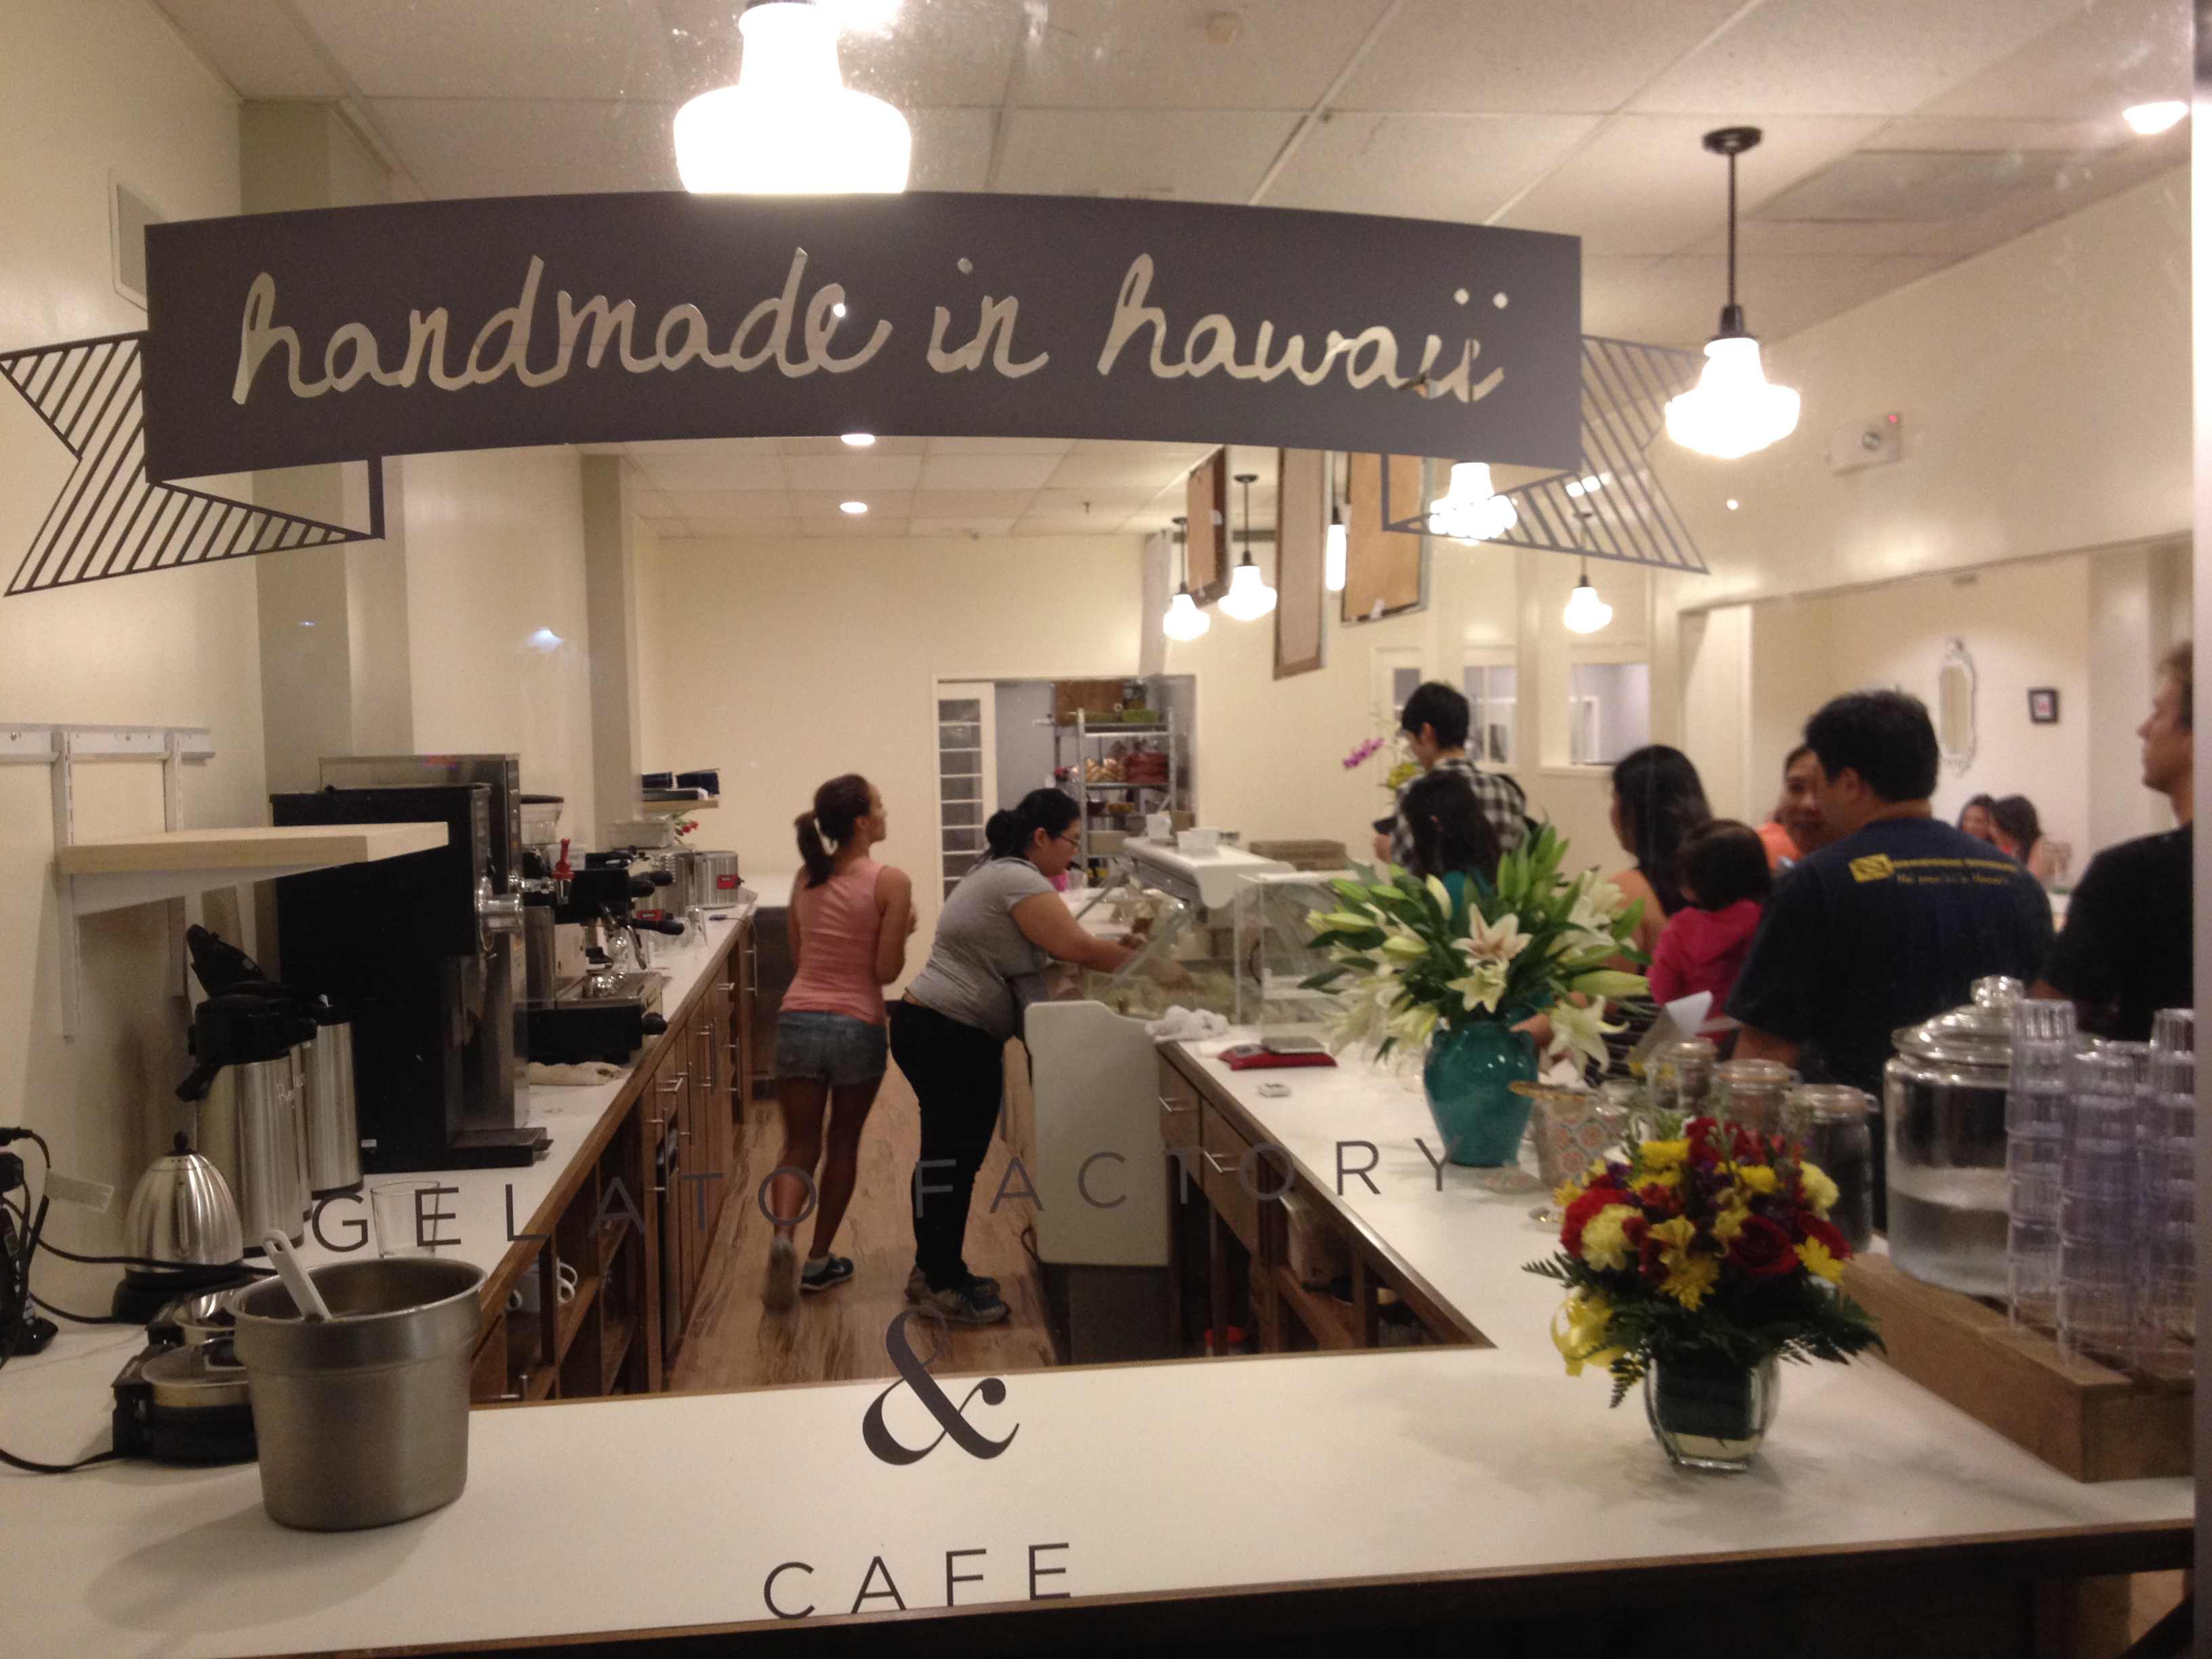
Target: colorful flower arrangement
(1408, 956)
(1712, 1242)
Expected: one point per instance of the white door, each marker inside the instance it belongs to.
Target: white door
(967, 774)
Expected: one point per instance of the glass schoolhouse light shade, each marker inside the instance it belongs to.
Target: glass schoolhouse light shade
(1586, 613)
(1471, 510)
(1184, 620)
(1733, 411)
(791, 126)
(1248, 598)
(1335, 554)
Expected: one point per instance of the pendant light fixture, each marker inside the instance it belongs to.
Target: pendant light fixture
(1248, 598)
(1184, 620)
(1585, 613)
(1732, 410)
(791, 126)
(1471, 510)
(1336, 548)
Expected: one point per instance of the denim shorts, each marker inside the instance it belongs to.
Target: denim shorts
(832, 1049)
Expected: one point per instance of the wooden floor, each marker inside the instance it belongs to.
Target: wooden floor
(838, 1335)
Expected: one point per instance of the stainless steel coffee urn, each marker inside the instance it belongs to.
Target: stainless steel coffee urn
(333, 1129)
(247, 1089)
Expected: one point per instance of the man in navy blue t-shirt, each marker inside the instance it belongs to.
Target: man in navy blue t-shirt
(1891, 922)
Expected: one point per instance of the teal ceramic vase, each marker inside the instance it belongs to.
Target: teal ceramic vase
(1468, 1079)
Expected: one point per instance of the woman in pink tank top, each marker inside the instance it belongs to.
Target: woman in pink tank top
(849, 919)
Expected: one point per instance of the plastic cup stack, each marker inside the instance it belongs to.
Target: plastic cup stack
(2097, 1212)
(2166, 1190)
(2043, 1045)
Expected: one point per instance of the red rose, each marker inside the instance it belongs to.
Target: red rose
(1762, 1249)
(1579, 1213)
(1826, 1233)
(1665, 1199)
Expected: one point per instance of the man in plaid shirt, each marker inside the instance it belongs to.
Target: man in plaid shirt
(1436, 725)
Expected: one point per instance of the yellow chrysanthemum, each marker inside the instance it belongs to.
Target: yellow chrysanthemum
(1660, 1178)
(1728, 1222)
(1581, 1342)
(1688, 1280)
(1566, 1193)
(1605, 1244)
(1755, 1177)
(1664, 1154)
(1820, 1190)
(1674, 1238)
(1818, 1260)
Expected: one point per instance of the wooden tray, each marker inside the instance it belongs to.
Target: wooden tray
(2082, 1418)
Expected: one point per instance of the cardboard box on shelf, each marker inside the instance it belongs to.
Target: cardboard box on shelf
(1094, 697)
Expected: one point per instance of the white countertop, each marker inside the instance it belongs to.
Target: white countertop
(672, 1511)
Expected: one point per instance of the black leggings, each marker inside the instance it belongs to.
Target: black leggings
(958, 1073)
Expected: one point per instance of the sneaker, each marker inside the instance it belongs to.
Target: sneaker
(833, 1270)
(781, 1289)
(971, 1305)
(917, 1284)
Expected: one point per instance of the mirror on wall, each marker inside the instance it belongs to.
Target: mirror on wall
(1954, 705)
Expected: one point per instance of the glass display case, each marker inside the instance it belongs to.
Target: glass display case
(1273, 951)
(1179, 907)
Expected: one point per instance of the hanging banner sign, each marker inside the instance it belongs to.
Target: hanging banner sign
(286, 339)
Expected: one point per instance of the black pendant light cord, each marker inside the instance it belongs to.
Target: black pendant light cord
(1731, 299)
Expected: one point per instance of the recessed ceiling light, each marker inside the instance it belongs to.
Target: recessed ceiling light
(854, 507)
(2150, 119)
(860, 439)
(1733, 503)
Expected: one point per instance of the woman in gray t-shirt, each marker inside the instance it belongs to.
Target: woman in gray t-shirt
(1000, 928)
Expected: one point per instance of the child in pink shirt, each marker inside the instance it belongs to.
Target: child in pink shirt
(1722, 872)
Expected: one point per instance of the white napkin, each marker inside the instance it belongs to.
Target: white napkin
(1182, 1024)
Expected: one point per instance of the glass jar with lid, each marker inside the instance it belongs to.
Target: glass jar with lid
(1829, 1123)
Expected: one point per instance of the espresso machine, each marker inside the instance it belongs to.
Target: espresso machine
(607, 1012)
(422, 949)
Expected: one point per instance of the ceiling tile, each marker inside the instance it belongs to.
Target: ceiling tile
(2075, 182)
(839, 527)
(705, 449)
(1060, 524)
(466, 147)
(1542, 55)
(938, 51)
(2112, 54)
(1923, 132)
(720, 504)
(1927, 186)
(827, 503)
(1677, 301)
(257, 46)
(737, 472)
(1851, 236)
(971, 503)
(1189, 155)
(1847, 56)
(516, 49)
(951, 148)
(839, 446)
(1461, 167)
(1141, 466)
(1109, 505)
(1159, 55)
(1000, 446)
(748, 529)
(986, 471)
(1645, 184)
(920, 526)
(855, 472)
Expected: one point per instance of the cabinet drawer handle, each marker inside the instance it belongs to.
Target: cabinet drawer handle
(726, 986)
(1168, 1106)
(678, 1083)
(1219, 1168)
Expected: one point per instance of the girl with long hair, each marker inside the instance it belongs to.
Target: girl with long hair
(1657, 800)
(849, 918)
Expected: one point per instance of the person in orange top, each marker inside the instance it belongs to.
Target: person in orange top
(849, 919)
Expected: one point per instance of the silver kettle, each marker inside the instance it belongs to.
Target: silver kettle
(183, 1216)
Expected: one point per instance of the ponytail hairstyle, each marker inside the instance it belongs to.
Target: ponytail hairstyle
(839, 805)
(1011, 829)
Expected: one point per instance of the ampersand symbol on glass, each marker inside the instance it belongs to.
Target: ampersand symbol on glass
(914, 1374)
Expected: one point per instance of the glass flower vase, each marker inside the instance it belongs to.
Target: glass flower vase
(1468, 1078)
(1708, 1414)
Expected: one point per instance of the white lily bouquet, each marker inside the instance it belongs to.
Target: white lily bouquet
(1408, 956)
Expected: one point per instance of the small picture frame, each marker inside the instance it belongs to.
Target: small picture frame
(2043, 704)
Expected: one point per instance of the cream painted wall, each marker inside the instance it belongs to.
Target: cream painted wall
(496, 554)
(89, 87)
(785, 663)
